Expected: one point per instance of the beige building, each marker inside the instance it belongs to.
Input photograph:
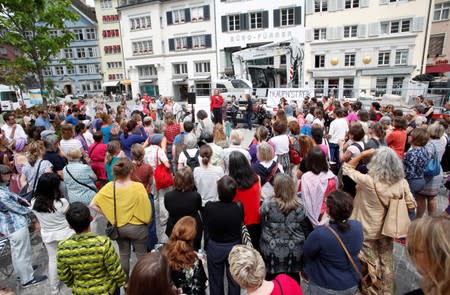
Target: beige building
(439, 44)
(365, 47)
(110, 47)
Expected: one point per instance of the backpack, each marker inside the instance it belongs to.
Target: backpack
(362, 165)
(192, 161)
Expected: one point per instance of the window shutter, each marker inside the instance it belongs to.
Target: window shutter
(171, 44)
(332, 5)
(382, 2)
(340, 5)
(187, 15)
(298, 15)
(362, 31)
(169, 17)
(206, 14)
(330, 35)
(243, 21)
(276, 17)
(364, 3)
(189, 42)
(339, 33)
(436, 45)
(309, 35)
(309, 7)
(265, 19)
(374, 29)
(208, 43)
(224, 23)
(417, 24)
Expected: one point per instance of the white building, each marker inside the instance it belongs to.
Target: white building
(250, 23)
(370, 46)
(168, 46)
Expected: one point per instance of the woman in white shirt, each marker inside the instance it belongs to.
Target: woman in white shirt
(190, 141)
(281, 144)
(206, 174)
(68, 142)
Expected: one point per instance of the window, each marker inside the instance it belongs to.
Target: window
(351, 4)
(202, 89)
(197, 14)
(380, 87)
(436, 45)
(142, 47)
(68, 53)
(110, 18)
(53, 33)
(178, 16)
(181, 43)
(59, 70)
(78, 34)
(233, 23)
(319, 61)
(82, 69)
(90, 34)
(287, 16)
(91, 52)
(147, 71)
(401, 57)
(106, 4)
(320, 34)
(180, 69)
(112, 49)
(318, 86)
(140, 23)
(349, 59)
(320, 5)
(198, 41)
(48, 71)
(441, 11)
(202, 67)
(397, 26)
(96, 85)
(70, 71)
(81, 53)
(255, 20)
(397, 85)
(350, 31)
(348, 87)
(114, 65)
(384, 58)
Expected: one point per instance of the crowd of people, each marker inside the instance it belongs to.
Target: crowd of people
(311, 199)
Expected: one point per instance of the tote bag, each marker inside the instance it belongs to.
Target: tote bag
(163, 177)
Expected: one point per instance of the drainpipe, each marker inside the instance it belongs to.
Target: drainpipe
(422, 67)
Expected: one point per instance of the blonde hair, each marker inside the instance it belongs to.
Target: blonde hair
(435, 130)
(430, 236)
(264, 152)
(246, 266)
(219, 133)
(285, 193)
(74, 155)
(35, 151)
(236, 137)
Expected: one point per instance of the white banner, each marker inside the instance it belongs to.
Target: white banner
(291, 94)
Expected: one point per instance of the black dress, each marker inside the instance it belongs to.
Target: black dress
(191, 280)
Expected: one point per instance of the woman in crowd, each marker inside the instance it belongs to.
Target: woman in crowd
(207, 175)
(327, 266)
(186, 267)
(50, 207)
(216, 102)
(266, 168)
(426, 198)
(80, 130)
(205, 125)
(415, 161)
(223, 221)
(35, 167)
(157, 137)
(19, 154)
(248, 270)
(54, 155)
(97, 153)
(429, 249)
(219, 137)
(306, 145)
(384, 181)
(281, 145)
(261, 135)
(107, 125)
(397, 138)
(190, 152)
(184, 201)
(376, 136)
(133, 133)
(151, 272)
(171, 130)
(68, 142)
(131, 212)
(316, 185)
(113, 154)
(248, 193)
(283, 230)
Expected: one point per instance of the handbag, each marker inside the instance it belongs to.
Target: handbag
(433, 167)
(28, 195)
(245, 235)
(163, 177)
(396, 220)
(294, 157)
(111, 230)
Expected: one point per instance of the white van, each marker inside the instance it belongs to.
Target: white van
(230, 87)
(8, 98)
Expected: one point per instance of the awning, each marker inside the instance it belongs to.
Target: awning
(125, 82)
(441, 68)
(148, 81)
(201, 78)
(179, 80)
(111, 84)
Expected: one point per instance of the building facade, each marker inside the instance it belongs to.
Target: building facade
(251, 23)
(110, 46)
(83, 77)
(168, 46)
(365, 47)
(439, 44)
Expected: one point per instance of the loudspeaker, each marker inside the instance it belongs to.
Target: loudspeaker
(191, 98)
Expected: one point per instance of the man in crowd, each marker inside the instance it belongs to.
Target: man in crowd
(11, 129)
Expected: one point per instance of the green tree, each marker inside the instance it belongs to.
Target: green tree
(30, 26)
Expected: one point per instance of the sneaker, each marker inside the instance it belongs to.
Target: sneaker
(34, 268)
(35, 281)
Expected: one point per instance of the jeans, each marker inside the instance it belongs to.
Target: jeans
(334, 153)
(217, 113)
(248, 119)
(136, 234)
(21, 254)
(317, 290)
(152, 239)
(416, 185)
(217, 263)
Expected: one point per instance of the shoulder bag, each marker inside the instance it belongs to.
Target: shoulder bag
(396, 220)
(29, 195)
(433, 167)
(245, 235)
(111, 230)
(79, 182)
(163, 177)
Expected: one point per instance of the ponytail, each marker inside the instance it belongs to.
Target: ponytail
(205, 154)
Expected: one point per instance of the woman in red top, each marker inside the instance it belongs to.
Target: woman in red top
(216, 106)
(248, 193)
(396, 140)
(97, 154)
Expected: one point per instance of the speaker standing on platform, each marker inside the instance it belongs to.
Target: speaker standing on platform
(216, 106)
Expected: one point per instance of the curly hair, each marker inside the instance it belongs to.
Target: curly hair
(385, 166)
(35, 151)
(219, 133)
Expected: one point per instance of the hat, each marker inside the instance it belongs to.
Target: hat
(4, 169)
(20, 144)
(46, 133)
(86, 123)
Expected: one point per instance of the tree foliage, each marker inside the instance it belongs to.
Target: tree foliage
(30, 26)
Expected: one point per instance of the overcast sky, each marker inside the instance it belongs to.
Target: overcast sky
(90, 2)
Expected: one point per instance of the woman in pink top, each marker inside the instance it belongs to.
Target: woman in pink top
(97, 154)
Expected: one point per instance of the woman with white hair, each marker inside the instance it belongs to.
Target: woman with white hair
(190, 156)
(384, 182)
(248, 270)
